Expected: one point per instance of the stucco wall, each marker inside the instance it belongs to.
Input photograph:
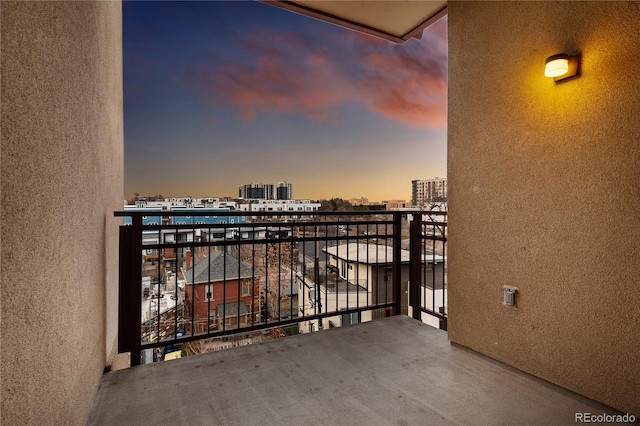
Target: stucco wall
(544, 192)
(62, 178)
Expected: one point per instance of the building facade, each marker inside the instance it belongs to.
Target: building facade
(220, 288)
(283, 190)
(266, 191)
(428, 191)
(359, 274)
(279, 206)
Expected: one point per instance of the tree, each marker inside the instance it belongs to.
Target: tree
(335, 204)
(275, 263)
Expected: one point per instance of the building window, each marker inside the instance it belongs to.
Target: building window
(387, 275)
(344, 266)
(245, 288)
(208, 292)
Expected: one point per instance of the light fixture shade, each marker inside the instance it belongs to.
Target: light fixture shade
(556, 65)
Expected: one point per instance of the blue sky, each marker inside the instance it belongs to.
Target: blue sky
(219, 94)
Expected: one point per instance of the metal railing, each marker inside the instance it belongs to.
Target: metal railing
(429, 267)
(258, 270)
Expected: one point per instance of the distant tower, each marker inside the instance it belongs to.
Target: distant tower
(266, 191)
(283, 191)
(255, 191)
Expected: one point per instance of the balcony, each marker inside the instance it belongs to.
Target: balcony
(392, 371)
(543, 195)
(375, 366)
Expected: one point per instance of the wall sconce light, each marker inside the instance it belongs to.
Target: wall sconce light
(561, 66)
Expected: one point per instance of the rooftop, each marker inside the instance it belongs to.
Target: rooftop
(233, 309)
(394, 371)
(373, 253)
(221, 267)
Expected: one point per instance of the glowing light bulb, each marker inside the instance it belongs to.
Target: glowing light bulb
(556, 65)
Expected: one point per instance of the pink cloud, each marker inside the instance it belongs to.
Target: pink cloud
(283, 72)
(405, 88)
(316, 60)
(274, 83)
(407, 83)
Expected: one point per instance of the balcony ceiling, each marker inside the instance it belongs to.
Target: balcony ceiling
(396, 21)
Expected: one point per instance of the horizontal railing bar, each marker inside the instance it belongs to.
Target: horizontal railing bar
(429, 238)
(193, 226)
(262, 326)
(433, 313)
(187, 244)
(214, 212)
(434, 223)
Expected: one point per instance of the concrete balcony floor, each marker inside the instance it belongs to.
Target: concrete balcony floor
(395, 371)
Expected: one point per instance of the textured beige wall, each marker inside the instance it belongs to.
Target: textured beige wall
(544, 192)
(62, 178)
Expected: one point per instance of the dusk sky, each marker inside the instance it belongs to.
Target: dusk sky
(220, 94)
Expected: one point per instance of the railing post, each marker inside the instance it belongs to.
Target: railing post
(415, 269)
(130, 292)
(444, 321)
(124, 303)
(397, 262)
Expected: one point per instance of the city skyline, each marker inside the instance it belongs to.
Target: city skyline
(219, 94)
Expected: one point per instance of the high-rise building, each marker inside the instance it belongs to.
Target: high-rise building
(266, 191)
(283, 191)
(428, 191)
(256, 191)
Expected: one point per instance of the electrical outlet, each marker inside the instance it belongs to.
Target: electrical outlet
(509, 296)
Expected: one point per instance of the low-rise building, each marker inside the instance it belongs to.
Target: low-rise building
(359, 274)
(278, 206)
(220, 289)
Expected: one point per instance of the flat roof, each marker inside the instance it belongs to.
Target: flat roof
(374, 253)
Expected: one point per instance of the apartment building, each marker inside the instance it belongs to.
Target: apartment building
(188, 202)
(283, 191)
(424, 192)
(358, 274)
(369, 265)
(266, 191)
(278, 206)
